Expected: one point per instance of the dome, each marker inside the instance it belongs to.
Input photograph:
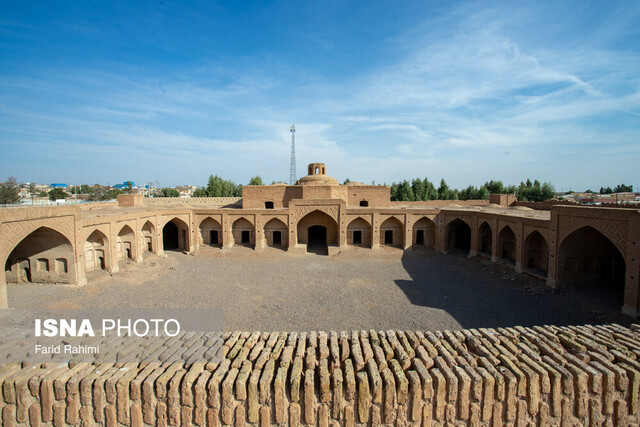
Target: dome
(317, 176)
(318, 180)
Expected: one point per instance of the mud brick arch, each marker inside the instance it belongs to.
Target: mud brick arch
(359, 231)
(96, 245)
(206, 226)
(332, 211)
(427, 226)
(615, 230)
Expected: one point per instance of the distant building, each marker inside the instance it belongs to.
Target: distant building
(124, 185)
(186, 190)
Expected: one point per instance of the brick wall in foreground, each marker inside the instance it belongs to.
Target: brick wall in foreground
(582, 375)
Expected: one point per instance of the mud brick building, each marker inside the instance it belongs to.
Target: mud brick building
(560, 243)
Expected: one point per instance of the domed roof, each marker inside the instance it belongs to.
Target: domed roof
(318, 180)
(317, 176)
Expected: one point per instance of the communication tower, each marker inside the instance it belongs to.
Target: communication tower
(292, 167)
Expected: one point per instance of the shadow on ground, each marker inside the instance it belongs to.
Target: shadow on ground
(479, 293)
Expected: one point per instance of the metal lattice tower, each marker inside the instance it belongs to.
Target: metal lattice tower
(292, 169)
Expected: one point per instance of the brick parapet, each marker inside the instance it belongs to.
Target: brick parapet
(193, 201)
(575, 375)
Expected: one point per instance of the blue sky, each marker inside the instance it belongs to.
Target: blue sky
(102, 92)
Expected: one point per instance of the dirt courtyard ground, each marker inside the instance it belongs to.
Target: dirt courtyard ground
(358, 289)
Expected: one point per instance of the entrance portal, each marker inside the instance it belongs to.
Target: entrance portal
(317, 240)
(589, 258)
(420, 237)
(277, 238)
(170, 236)
(213, 237)
(245, 237)
(388, 237)
(458, 235)
(357, 237)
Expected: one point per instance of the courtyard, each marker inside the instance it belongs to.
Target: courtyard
(356, 289)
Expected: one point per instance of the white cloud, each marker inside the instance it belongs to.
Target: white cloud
(469, 94)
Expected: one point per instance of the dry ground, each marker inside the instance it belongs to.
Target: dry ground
(358, 289)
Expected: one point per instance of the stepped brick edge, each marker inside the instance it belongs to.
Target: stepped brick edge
(543, 375)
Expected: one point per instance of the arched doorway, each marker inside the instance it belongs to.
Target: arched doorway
(311, 233)
(507, 245)
(44, 256)
(211, 232)
(243, 233)
(587, 257)
(536, 253)
(96, 251)
(317, 240)
(126, 243)
(424, 232)
(175, 235)
(170, 236)
(359, 233)
(275, 233)
(392, 232)
(485, 240)
(458, 235)
(147, 237)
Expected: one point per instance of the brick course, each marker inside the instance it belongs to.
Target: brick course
(574, 375)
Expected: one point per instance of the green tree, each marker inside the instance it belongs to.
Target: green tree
(57, 194)
(96, 192)
(256, 180)
(9, 191)
(170, 192)
(110, 194)
(218, 187)
(484, 193)
(394, 191)
(495, 187)
(80, 189)
(535, 192)
(444, 192)
(607, 190)
(199, 192)
(346, 181)
(621, 188)
(548, 191)
(431, 193)
(405, 193)
(471, 193)
(418, 188)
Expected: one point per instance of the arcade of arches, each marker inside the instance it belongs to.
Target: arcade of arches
(582, 246)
